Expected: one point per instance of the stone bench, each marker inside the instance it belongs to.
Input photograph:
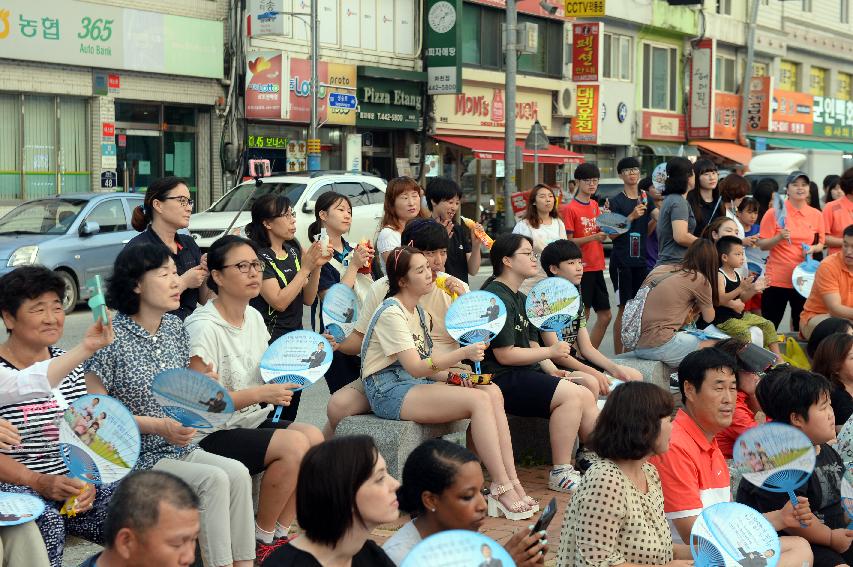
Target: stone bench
(396, 439)
(653, 371)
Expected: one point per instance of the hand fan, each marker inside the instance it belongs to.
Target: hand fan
(844, 443)
(804, 274)
(613, 223)
(19, 508)
(659, 177)
(780, 211)
(755, 268)
(552, 304)
(97, 302)
(299, 357)
(729, 534)
(193, 399)
(847, 493)
(710, 332)
(452, 548)
(340, 311)
(776, 457)
(475, 317)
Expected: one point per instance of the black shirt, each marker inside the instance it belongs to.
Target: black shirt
(371, 555)
(842, 404)
(621, 253)
(283, 270)
(188, 257)
(458, 249)
(721, 312)
(517, 330)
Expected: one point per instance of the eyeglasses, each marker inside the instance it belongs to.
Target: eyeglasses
(182, 201)
(631, 171)
(288, 214)
(245, 266)
(532, 255)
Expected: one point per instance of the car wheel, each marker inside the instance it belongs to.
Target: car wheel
(69, 300)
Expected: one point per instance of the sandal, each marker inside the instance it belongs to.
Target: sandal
(517, 511)
(531, 502)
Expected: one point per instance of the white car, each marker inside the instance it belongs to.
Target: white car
(365, 191)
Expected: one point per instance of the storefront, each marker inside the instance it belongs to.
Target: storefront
(662, 136)
(115, 108)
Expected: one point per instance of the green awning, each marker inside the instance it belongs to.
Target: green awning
(672, 150)
(801, 144)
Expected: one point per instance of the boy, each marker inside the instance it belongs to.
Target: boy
(463, 252)
(562, 258)
(801, 398)
(730, 316)
(628, 258)
(580, 216)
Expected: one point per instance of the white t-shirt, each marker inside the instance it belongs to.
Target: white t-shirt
(401, 543)
(542, 237)
(234, 352)
(397, 330)
(387, 240)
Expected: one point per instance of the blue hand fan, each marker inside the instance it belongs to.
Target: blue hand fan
(613, 223)
(552, 304)
(192, 399)
(847, 493)
(299, 357)
(453, 548)
(804, 274)
(475, 317)
(19, 508)
(776, 457)
(780, 211)
(728, 533)
(844, 443)
(99, 440)
(340, 311)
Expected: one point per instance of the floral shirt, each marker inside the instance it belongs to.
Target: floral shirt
(127, 368)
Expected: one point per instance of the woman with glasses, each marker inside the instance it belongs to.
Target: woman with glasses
(228, 338)
(705, 200)
(165, 211)
(542, 224)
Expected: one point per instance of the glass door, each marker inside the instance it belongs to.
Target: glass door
(139, 158)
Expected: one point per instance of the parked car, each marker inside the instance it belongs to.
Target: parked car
(365, 191)
(77, 235)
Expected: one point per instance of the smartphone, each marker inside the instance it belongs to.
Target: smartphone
(546, 516)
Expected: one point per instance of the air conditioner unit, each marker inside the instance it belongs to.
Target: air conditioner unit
(564, 101)
(414, 153)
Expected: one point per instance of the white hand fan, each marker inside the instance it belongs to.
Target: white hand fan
(192, 399)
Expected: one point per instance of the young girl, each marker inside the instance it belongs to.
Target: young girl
(333, 212)
(399, 371)
(290, 278)
(228, 337)
(834, 359)
(531, 383)
(733, 189)
(542, 225)
(705, 200)
(402, 203)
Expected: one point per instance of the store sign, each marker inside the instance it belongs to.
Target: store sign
(108, 129)
(758, 105)
(482, 109)
(584, 8)
(97, 35)
(586, 52)
(267, 142)
(532, 7)
(726, 113)
(833, 117)
(443, 48)
(264, 19)
(663, 126)
(702, 89)
(792, 113)
(385, 103)
(585, 122)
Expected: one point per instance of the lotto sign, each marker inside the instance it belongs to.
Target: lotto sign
(833, 117)
(585, 123)
(586, 52)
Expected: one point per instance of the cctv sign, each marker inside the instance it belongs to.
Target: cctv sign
(584, 8)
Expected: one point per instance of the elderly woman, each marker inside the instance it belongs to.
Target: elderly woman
(31, 305)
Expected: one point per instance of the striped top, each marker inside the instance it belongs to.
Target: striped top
(35, 420)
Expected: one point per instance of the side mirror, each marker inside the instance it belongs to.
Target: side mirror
(88, 228)
(308, 207)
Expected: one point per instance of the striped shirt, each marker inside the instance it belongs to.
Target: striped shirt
(35, 420)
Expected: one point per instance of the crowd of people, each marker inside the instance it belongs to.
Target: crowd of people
(698, 251)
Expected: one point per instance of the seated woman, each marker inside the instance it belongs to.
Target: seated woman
(144, 288)
(616, 516)
(834, 360)
(443, 490)
(228, 337)
(31, 306)
(344, 491)
(399, 371)
(526, 373)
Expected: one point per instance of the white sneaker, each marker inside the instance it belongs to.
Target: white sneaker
(564, 479)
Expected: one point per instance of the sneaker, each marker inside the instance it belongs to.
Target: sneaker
(564, 479)
(263, 550)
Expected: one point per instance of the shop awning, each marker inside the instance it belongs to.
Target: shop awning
(727, 150)
(672, 150)
(799, 144)
(493, 148)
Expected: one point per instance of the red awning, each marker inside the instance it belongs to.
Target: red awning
(493, 148)
(728, 150)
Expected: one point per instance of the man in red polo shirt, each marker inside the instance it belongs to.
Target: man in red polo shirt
(693, 471)
(832, 291)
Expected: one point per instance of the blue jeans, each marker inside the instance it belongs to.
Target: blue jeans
(386, 389)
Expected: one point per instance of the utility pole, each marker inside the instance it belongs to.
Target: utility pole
(313, 140)
(511, 64)
(747, 74)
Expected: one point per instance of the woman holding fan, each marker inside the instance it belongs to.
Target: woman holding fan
(789, 232)
(227, 336)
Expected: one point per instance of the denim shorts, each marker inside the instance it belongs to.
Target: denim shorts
(673, 351)
(386, 389)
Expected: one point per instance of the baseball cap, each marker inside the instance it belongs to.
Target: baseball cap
(587, 171)
(794, 175)
(627, 163)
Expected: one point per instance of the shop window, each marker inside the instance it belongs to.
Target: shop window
(617, 57)
(471, 34)
(110, 216)
(39, 146)
(724, 7)
(842, 91)
(724, 71)
(179, 115)
(74, 174)
(789, 76)
(660, 77)
(817, 81)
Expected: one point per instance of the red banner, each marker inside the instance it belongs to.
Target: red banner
(758, 105)
(586, 49)
(585, 122)
(726, 113)
(792, 112)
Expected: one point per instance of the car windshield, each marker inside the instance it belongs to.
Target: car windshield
(232, 201)
(45, 216)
